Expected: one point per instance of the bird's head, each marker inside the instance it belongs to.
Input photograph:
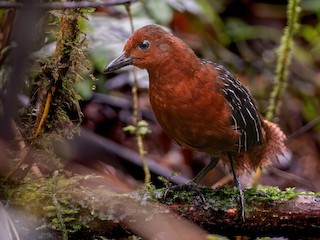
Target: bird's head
(148, 48)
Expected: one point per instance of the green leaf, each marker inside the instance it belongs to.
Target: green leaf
(130, 128)
(143, 127)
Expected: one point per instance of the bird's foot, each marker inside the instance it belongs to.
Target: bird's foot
(240, 200)
(241, 208)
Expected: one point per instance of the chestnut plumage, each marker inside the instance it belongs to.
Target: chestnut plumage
(199, 104)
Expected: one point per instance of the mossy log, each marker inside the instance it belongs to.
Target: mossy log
(81, 206)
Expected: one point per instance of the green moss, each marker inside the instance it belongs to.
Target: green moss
(51, 199)
(220, 199)
(216, 237)
(268, 193)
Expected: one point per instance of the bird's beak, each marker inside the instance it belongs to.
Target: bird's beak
(118, 63)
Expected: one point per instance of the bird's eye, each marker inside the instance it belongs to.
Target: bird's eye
(144, 45)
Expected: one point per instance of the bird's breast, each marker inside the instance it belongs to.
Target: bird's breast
(193, 114)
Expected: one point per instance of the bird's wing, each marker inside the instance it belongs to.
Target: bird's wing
(245, 116)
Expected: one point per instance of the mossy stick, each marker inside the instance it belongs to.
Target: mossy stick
(284, 58)
(139, 134)
(283, 63)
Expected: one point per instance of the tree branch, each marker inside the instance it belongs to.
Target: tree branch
(291, 218)
(278, 213)
(67, 5)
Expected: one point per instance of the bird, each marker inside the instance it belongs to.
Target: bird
(201, 105)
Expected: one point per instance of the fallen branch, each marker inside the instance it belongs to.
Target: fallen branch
(290, 218)
(82, 203)
(67, 5)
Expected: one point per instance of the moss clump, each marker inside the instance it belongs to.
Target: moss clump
(220, 199)
(66, 203)
(51, 199)
(268, 193)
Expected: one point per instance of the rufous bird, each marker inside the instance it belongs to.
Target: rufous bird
(201, 105)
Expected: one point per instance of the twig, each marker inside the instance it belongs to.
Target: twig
(44, 112)
(138, 134)
(67, 5)
(284, 58)
(303, 129)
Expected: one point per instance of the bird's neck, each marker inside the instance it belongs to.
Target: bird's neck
(174, 68)
(173, 80)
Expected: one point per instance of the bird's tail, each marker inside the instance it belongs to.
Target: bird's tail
(273, 146)
(264, 154)
(275, 141)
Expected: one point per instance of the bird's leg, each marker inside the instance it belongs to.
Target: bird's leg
(239, 188)
(213, 162)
